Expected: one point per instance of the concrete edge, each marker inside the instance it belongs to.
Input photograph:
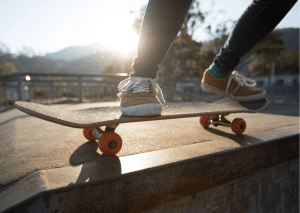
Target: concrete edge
(144, 180)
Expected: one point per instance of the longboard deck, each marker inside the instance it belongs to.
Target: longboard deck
(103, 116)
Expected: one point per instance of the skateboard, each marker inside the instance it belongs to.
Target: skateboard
(92, 120)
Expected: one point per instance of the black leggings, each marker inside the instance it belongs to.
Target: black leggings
(163, 20)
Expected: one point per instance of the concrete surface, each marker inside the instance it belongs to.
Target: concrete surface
(31, 145)
(266, 160)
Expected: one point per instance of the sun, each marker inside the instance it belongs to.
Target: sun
(117, 33)
(109, 25)
(123, 41)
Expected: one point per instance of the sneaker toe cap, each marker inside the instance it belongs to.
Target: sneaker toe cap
(151, 109)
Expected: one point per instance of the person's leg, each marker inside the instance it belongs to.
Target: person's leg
(162, 22)
(140, 95)
(259, 19)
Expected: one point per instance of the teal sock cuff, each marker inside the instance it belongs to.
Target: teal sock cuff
(214, 72)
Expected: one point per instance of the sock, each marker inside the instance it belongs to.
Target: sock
(216, 72)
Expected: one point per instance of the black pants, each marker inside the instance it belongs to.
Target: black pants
(163, 20)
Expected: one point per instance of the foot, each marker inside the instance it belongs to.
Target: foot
(140, 97)
(233, 86)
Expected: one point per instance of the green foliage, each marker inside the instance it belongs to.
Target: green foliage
(271, 46)
(7, 68)
(264, 53)
(118, 66)
(205, 58)
(288, 63)
(35, 64)
(7, 63)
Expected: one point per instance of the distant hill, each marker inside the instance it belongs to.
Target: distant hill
(68, 54)
(291, 38)
(76, 52)
(89, 59)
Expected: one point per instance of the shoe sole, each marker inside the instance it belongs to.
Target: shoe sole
(256, 97)
(142, 110)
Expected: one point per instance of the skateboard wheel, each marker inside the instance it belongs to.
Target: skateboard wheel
(110, 143)
(238, 126)
(204, 119)
(87, 134)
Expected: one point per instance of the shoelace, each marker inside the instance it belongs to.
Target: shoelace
(241, 81)
(140, 86)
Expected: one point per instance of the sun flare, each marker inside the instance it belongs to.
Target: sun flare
(116, 31)
(123, 41)
(111, 28)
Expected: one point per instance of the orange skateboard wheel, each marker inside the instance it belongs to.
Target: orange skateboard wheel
(204, 119)
(238, 126)
(110, 143)
(87, 134)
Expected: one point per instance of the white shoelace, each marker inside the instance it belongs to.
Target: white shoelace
(140, 85)
(241, 81)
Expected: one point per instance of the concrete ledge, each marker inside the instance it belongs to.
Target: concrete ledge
(153, 180)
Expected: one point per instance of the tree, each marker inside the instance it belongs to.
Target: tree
(7, 63)
(42, 64)
(118, 66)
(264, 53)
(288, 63)
(7, 68)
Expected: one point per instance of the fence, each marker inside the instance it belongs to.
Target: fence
(55, 88)
(51, 88)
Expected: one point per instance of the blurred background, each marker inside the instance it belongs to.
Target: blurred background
(74, 51)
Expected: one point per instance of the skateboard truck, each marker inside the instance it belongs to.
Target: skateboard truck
(238, 125)
(219, 120)
(111, 128)
(109, 142)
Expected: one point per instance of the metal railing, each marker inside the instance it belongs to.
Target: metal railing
(49, 88)
(57, 88)
(54, 88)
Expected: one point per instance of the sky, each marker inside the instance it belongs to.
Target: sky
(48, 26)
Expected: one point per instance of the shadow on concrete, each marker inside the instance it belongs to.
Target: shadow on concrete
(94, 165)
(86, 153)
(14, 118)
(242, 139)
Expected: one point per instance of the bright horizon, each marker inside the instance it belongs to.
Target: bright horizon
(50, 26)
